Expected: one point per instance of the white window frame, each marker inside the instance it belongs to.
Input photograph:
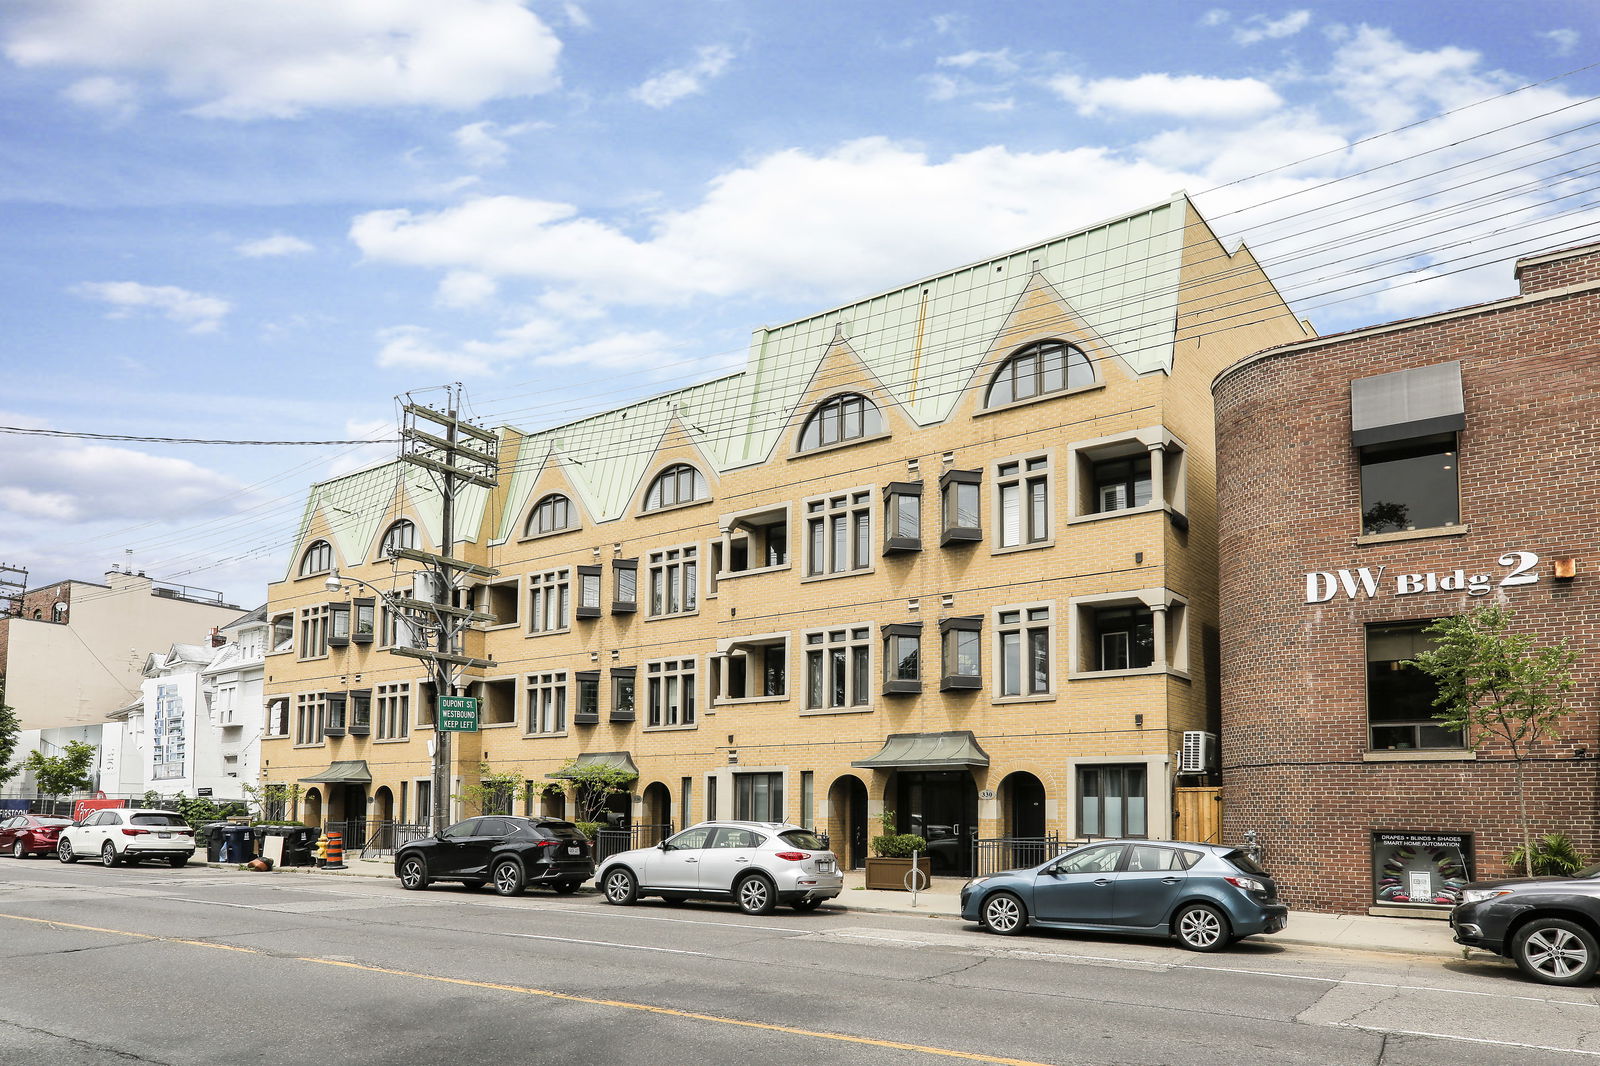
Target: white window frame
(546, 701)
(550, 602)
(311, 631)
(820, 647)
(658, 714)
(310, 719)
(391, 706)
(1022, 621)
(678, 568)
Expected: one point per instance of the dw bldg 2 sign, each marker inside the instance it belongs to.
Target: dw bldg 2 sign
(1367, 582)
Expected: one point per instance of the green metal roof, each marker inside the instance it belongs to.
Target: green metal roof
(955, 750)
(343, 772)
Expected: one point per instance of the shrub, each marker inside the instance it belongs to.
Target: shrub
(898, 845)
(1553, 854)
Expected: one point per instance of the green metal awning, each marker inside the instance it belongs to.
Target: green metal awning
(343, 772)
(955, 750)
(620, 759)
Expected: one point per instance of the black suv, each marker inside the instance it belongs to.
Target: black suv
(512, 852)
(1549, 925)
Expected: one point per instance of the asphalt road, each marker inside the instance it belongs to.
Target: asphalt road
(203, 966)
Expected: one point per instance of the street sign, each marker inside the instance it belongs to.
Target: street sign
(202, 792)
(458, 714)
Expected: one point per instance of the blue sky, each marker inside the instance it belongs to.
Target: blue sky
(263, 221)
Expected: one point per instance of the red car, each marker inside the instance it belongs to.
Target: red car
(22, 835)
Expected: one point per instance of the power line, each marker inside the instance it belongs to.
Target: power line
(36, 432)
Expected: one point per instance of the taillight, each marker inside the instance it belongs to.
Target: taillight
(548, 843)
(134, 832)
(1249, 884)
(793, 856)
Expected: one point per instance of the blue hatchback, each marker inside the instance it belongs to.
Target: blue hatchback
(1206, 895)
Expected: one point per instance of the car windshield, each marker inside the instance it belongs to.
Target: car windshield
(158, 819)
(1243, 861)
(803, 838)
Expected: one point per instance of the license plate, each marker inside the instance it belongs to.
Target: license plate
(826, 865)
(573, 849)
(164, 836)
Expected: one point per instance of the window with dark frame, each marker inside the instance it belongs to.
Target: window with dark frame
(1400, 697)
(399, 536)
(1112, 801)
(1039, 370)
(1121, 483)
(550, 515)
(587, 711)
(837, 671)
(549, 601)
(840, 419)
(677, 484)
(318, 559)
(360, 712)
(1022, 490)
(670, 693)
(902, 658)
(839, 534)
(758, 797)
(961, 652)
(1410, 484)
(622, 693)
(960, 509)
(1023, 636)
(1123, 637)
(902, 517)
(588, 592)
(625, 586)
(674, 581)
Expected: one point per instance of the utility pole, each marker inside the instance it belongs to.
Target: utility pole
(13, 583)
(456, 454)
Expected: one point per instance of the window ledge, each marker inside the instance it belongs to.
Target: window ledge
(548, 632)
(547, 533)
(670, 617)
(1101, 516)
(318, 744)
(1147, 671)
(742, 700)
(671, 728)
(542, 736)
(1038, 399)
(825, 448)
(816, 712)
(496, 628)
(728, 575)
(835, 577)
(647, 512)
(1413, 534)
(1043, 697)
(1015, 548)
(495, 725)
(391, 740)
(270, 654)
(1420, 755)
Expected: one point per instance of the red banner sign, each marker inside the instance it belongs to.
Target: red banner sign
(81, 808)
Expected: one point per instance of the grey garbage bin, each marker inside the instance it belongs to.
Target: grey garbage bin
(238, 843)
(297, 842)
(209, 837)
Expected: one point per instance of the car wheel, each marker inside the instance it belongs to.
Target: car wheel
(18, 851)
(755, 895)
(804, 905)
(1556, 951)
(1005, 914)
(178, 862)
(1201, 927)
(565, 888)
(620, 887)
(108, 854)
(64, 851)
(413, 873)
(508, 878)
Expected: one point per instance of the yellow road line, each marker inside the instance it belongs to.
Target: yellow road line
(620, 1004)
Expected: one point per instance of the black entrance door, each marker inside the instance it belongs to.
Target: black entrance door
(941, 806)
(858, 824)
(355, 816)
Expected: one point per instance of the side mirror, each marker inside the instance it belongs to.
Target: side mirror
(664, 846)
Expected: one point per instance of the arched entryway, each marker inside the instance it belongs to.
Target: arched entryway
(847, 821)
(553, 804)
(1022, 819)
(383, 804)
(940, 806)
(311, 806)
(656, 811)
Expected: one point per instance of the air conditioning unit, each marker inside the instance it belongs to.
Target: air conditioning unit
(1199, 752)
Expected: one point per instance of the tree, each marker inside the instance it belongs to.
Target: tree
(10, 726)
(67, 772)
(593, 785)
(1498, 686)
(274, 802)
(495, 792)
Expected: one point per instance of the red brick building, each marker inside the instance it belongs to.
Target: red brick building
(1369, 483)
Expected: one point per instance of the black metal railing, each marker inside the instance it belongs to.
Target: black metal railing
(384, 838)
(1012, 853)
(611, 841)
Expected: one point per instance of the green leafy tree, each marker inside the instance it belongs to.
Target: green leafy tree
(67, 772)
(495, 793)
(10, 727)
(592, 785)
(273, 803)
(1497, 685)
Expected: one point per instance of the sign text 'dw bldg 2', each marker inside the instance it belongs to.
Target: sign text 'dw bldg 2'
(1371, 582)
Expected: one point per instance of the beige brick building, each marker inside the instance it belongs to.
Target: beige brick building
(949, 550)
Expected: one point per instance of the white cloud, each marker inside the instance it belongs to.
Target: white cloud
(999, 61)
(465, 288)
(114, 96)
(666, 89)
(577, 16)
(55, 481)
(643, 351)
(253, 60)
(200, 313)
(1562, 42)
(1189, 96)
(418, 348)
(279, 244)
(1215, 17)
(1258, 28)
(480, 146)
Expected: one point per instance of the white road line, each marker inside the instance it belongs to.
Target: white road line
(1396, 987)
(606, 944)
(884, 939)
(609, 913)
(1470, 1039)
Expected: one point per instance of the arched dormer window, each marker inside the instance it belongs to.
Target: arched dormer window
(318, 559)
(679, 483)
(1038, 370)
(403, 534)
(842, 418)
(550, 515)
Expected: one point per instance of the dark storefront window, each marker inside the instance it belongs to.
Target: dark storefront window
(1400, 698)
(1409, 484)
(758, 797)
(1420, 868)
(1111, 801)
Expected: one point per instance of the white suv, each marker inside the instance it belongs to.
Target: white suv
(756, 864)
(127, 834)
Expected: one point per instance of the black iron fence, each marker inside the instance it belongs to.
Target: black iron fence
(610, 841)
(1011, 853)
(384, 838)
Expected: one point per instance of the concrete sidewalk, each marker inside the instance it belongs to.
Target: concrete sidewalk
(1350, 932)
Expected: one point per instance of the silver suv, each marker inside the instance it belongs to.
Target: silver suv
(756, 864)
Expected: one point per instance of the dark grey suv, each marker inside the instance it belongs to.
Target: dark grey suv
(1550, 926)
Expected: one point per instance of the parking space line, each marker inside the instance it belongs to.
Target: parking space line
(607, 944)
